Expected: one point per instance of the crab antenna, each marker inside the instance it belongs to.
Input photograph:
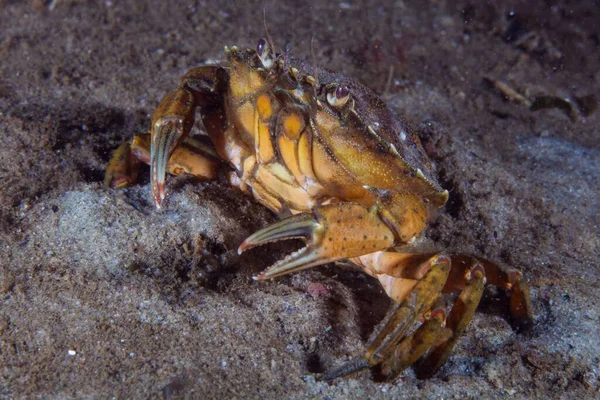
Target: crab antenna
(286, 55)
(269, 39)
(314, 60)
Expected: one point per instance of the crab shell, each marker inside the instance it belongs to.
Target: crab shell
(296, 151)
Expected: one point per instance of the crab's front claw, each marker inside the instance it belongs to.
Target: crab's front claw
(332, 232)
(171, 121)
(164, 140)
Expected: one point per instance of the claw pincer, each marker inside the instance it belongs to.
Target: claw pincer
(333, 232)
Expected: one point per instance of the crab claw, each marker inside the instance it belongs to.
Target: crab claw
(332, 233)
(171, 121)
(301, 226)
(165, 137)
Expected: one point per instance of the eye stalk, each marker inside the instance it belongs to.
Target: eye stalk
(338, 96)
(265, 52)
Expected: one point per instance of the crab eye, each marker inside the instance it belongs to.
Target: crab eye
(260, 47)
(264, 52)
(338, 96)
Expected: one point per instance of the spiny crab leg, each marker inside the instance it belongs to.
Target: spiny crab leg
(333, 232)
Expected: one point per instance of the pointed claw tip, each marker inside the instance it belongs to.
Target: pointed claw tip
(245, 245)
(260, 277)
(158, 193)
(159, 200)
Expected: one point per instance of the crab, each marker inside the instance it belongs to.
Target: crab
(344, 172)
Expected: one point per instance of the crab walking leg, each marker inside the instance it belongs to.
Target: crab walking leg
(333, 232)
(174, 118)
(123, 167)
(194, 156)
(389, 266)
(511, 280)
(397, 273)
(460, 316)
(431, 333)
(420, 299)
(520, 300)
(412, 347)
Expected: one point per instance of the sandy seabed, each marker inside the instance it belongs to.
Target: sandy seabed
(101, 296)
